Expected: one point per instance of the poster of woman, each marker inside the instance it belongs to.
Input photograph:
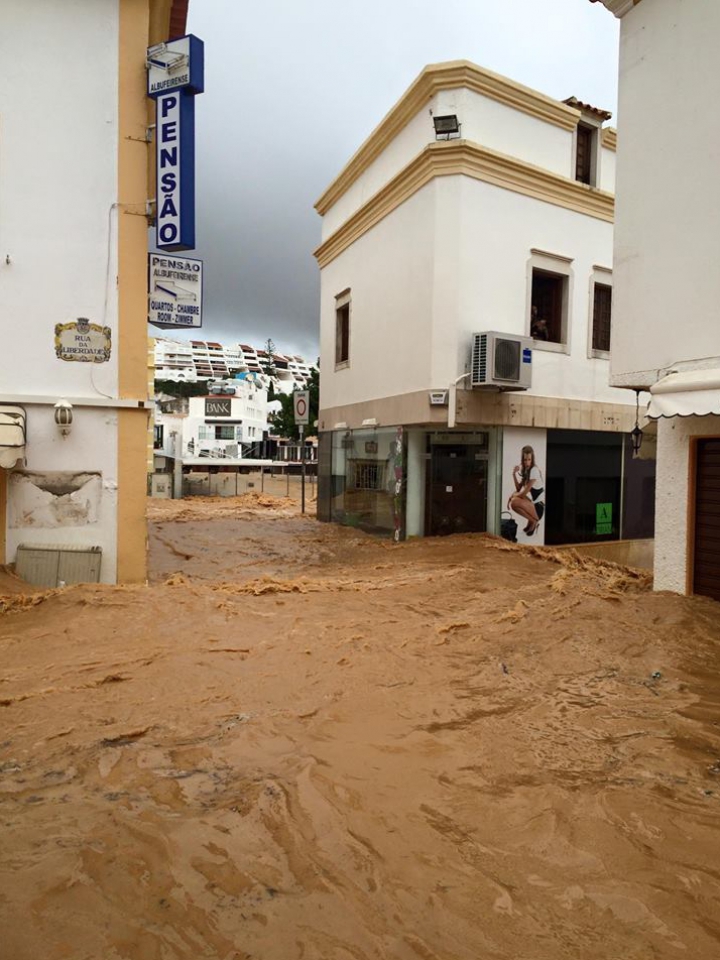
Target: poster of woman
(524, 485)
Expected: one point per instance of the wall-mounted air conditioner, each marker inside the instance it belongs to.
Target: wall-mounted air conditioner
(501, 360)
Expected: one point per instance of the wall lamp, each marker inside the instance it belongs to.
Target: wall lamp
(64, 416)
(636, 434)
(446, 127)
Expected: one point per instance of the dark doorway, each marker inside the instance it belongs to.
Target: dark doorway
(706, 555)
(456, 489)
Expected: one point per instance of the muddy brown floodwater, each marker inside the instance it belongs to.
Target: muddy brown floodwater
(302, 743)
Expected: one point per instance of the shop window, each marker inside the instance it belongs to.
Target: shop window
(364, 488)
(548, 310)
(583, 486)
(342, 329)
(224, 432)
(601, 321)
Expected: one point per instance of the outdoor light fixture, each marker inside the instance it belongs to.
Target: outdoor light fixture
(446, 126)
(636, 434)
(64, 416)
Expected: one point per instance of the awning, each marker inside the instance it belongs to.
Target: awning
(695, 393)
(12, 435)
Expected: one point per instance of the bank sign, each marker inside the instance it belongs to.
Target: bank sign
(176, 290)
(175, 75)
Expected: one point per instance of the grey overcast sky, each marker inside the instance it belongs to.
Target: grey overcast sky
(293, 87)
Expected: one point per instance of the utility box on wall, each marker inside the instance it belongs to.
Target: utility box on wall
(56, 564)
(161, 485)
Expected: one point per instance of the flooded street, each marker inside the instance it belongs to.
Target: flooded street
(303, 743)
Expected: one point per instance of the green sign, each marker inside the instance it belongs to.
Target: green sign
(603, 518)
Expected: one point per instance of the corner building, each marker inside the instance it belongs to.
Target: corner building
(477, 206)
(74, 182)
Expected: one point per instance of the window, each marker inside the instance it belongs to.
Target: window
(368, 475)
(602, 313)
(342, 329)
(224, 432)
(159, 431)
(584, 149)
(548, 307)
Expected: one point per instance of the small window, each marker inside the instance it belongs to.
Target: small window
(602, 315)
(225, 433)
(342, 330)
(548, 306)
(367, 475)
(584, 153)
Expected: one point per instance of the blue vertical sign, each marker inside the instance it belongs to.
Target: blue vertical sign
(175, 76)
(175, 135)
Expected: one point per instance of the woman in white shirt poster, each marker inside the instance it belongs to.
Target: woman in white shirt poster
(528, 499)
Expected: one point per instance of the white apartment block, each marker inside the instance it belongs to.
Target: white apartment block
(194, 360)
(476, 206)
(666, 334)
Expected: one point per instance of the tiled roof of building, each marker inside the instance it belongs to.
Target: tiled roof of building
(588, 108)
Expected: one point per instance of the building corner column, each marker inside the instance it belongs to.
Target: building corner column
(132, 339)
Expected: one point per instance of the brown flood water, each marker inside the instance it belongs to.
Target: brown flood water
(302, 743)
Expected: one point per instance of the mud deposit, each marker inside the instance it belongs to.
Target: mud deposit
(300, 743)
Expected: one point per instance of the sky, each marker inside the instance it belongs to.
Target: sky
(294, 87)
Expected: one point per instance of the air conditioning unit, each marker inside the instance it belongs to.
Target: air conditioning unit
(501, 360)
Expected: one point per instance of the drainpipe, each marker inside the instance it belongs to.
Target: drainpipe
(452, 400)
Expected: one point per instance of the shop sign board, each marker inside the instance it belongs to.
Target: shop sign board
(603, 518)
(217, 407)
(83, 342)
(175, 285)
(175, 217)
(175, 75)
(177, 64)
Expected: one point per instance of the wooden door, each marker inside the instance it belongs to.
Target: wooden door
(706, 555)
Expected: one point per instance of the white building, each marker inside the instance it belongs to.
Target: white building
(221, 426)
(430, 237)
(73, 275)
(666, 335)
(194, 360)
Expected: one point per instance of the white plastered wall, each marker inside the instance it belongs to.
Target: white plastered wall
(389, 271)
(91, 447)
(672, 530)
(667, 242)
(453, 260)
(499, 230)
(483, 120)
(58, 229)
